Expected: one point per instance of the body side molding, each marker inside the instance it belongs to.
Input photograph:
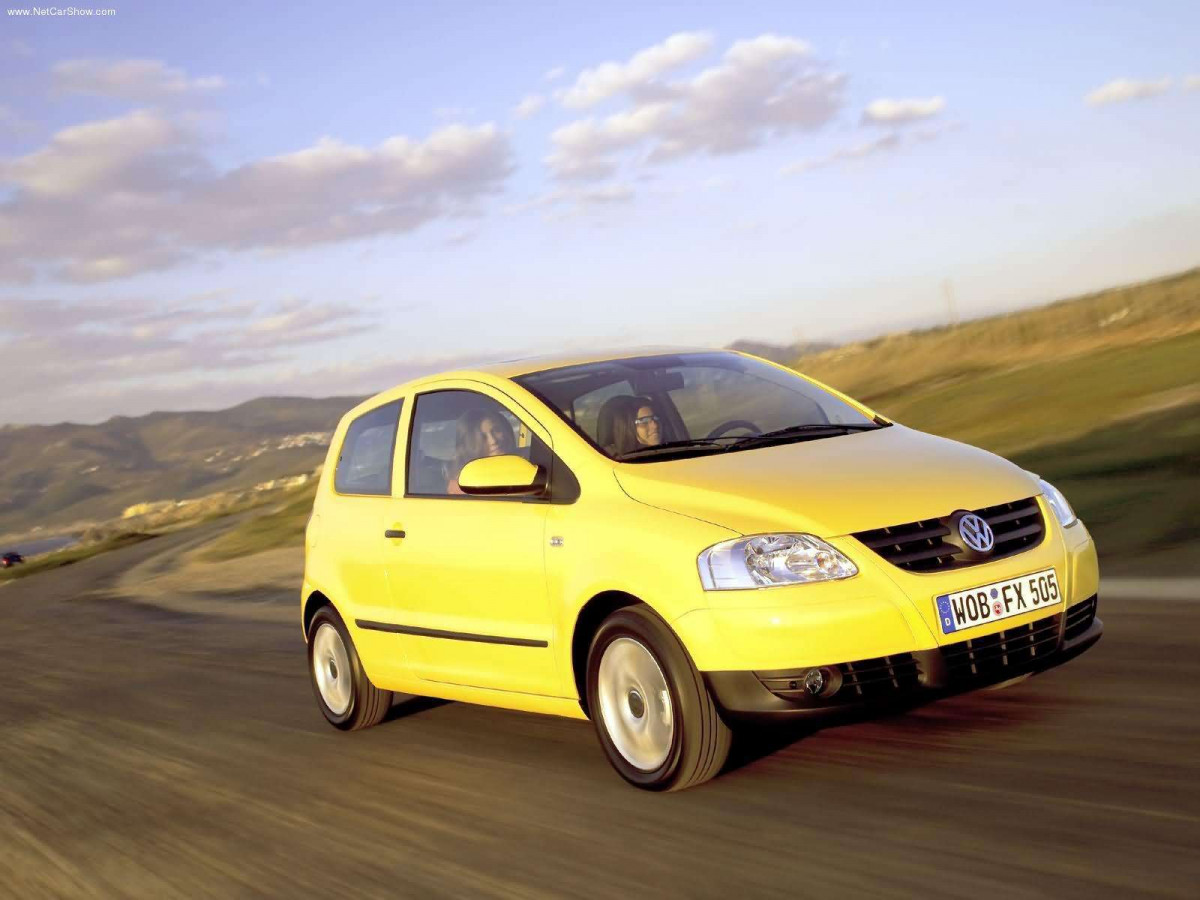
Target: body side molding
(392, 628)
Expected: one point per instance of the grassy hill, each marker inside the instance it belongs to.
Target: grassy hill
(60, 475)
(912, 363)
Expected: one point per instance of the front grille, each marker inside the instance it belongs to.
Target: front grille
(992, 655)
(1080, 617)
(921, 546)
(866, 679)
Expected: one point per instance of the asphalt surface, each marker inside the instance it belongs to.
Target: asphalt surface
(158, 753)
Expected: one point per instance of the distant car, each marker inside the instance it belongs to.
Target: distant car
(669, 544)
(10, 559)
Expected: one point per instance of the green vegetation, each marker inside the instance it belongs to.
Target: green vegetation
(282, 526)
(71, 555)
(1008, 411)
(1136, 484)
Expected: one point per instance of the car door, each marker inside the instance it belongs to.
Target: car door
(467, 580)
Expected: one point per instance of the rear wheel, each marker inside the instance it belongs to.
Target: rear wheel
(344, 694)
(653, 714)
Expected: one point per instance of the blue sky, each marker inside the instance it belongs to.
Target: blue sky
(200, 204)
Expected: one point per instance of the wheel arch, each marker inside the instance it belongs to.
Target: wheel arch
(314, 602)
(587, 623)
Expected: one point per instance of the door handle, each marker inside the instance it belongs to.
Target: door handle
(393, 533)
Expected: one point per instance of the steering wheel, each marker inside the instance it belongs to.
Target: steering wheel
(720, 430)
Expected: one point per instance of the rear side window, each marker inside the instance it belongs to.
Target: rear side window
(365, 463)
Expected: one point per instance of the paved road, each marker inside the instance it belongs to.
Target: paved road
(155, 753)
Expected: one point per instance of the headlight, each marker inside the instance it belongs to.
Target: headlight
(767, 560)
(1062, 509)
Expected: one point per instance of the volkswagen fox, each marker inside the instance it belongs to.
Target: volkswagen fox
(671, 543)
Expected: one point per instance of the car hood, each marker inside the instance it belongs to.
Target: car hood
(831, 486)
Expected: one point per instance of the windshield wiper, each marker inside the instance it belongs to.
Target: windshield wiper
(808, 431)
(668, 446)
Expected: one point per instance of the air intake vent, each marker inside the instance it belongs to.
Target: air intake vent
(1080, 617)
(1012, 650)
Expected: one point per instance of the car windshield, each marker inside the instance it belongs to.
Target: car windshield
(650, 408)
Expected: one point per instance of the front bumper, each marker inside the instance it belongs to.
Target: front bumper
(911, 677)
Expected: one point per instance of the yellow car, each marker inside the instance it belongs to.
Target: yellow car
(669, 544)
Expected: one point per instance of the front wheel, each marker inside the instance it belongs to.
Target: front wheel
(653, 714)
(345, 695)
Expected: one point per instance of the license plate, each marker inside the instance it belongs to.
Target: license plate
(996, 601)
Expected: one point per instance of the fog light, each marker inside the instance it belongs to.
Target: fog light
(814, 681)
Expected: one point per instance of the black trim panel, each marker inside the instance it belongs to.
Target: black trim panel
(744, 695)
(392, 628)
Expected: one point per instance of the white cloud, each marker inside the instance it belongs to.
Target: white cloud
(763, 88)
(604, 195)
(896, 112)
(114, 198)
(887, 143)
(53, 349)
(20, 49)
(579, 198)
(643, 68)
(86, 402)
(875, 146)
(99, 157)
(1191, 83)
(554, 74)
(88, 360)
(461, 237)
(1121, 90)
(138, 80)
(530, 105)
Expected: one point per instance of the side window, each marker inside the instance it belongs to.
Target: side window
(365, 463)
(451, 428)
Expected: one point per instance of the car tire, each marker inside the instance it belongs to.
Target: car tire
(344, 694)
(652, 711)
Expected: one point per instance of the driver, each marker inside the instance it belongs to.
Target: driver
(628, 423)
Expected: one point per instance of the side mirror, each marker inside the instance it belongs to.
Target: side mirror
(508, 475)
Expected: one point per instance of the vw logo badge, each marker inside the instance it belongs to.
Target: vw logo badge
(976, 533)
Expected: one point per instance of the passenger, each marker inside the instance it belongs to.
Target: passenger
(628, 423)
(479, 433)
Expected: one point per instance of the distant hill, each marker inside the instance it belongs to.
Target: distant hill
(780, 353)
(59, 475)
